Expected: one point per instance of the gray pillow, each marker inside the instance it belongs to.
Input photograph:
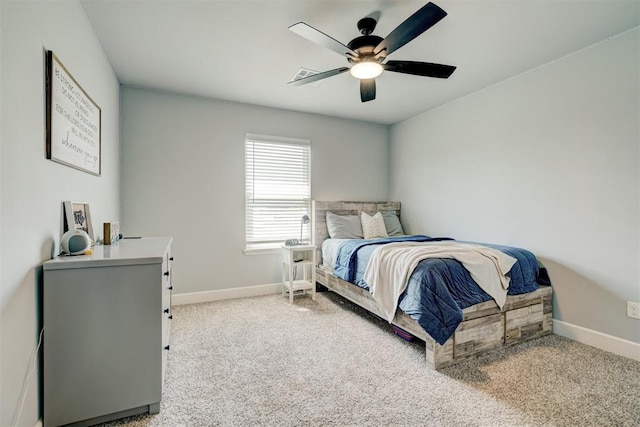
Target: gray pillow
(392, 223)
(344, 226)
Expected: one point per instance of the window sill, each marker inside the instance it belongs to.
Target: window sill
(263, 250)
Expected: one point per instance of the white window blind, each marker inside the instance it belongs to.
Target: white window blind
(278, 189)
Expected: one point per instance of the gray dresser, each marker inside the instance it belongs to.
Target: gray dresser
(106, 331)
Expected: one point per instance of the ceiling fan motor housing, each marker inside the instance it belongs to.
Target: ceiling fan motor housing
(364, 45)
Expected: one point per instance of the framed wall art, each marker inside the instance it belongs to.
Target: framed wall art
(73, 120)
(78, 217)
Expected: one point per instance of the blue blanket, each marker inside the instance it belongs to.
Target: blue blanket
(439, 288)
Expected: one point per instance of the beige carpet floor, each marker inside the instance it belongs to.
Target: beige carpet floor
(260, 361)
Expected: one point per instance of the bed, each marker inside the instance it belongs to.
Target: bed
(481, 327)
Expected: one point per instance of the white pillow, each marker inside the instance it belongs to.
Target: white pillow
(373, 226)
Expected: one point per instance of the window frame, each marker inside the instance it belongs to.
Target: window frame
(271, 246)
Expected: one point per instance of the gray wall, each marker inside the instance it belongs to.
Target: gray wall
(32, 187)
(183, 176)
(547, 160)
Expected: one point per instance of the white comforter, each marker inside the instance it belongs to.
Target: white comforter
(391, 265)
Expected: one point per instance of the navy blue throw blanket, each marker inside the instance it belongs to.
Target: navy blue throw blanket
(439, 288)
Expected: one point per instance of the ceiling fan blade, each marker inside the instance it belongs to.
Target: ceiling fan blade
(426, 69)
(367, 90)
(318, 37)
(316, 77)
(411, 28)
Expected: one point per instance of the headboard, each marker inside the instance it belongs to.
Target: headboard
(319, 214)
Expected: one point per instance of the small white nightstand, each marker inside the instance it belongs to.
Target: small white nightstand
(307, 254)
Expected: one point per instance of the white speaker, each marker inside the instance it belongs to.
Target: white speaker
(75, 242)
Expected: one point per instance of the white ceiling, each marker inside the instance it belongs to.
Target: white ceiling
(243, 51)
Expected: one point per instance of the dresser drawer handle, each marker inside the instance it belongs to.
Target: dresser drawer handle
(166, 348)
(171, 259)
(166, 273)
(170, 288)
(166, 310)
(171, 316)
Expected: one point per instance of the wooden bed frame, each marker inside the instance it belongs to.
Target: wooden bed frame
(484, 326)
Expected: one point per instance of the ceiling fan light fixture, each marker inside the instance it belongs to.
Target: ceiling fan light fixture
(366, 70)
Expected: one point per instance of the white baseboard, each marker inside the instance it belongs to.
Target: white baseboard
(605, 342)
(222, 294)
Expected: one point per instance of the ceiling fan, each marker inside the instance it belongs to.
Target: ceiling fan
(367, 53)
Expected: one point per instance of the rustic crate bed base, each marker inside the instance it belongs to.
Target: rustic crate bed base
(484, 326)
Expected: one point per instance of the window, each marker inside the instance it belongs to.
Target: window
(278, 189)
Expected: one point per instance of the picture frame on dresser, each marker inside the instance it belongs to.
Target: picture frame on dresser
(77, 216)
